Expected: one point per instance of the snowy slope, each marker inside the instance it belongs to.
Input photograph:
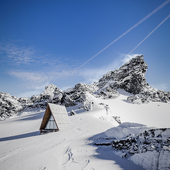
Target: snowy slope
(73, 148)
(93, 139)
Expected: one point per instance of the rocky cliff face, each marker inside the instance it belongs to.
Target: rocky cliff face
(10, 105)
(130, 77)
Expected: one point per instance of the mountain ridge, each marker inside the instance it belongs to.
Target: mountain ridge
(130, 77)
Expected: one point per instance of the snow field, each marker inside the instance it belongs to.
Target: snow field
(73, 148)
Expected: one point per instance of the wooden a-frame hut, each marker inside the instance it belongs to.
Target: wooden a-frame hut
(54, 119)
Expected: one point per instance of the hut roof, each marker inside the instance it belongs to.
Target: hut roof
(59, 114)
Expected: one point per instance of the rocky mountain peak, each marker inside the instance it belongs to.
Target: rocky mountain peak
(129, 77)
(51, 88)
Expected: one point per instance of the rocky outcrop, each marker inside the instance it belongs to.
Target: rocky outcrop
(150, 149)
(77, 93)
(107, 93)
(80, 87)
(10, 105)
(51, 94)
(150, 95)
(130, 76)
(149, 140)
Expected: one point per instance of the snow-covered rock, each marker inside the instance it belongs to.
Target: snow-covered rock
(145, 146)
(107, 93)
(129, 77)
(124, 129)
(77, 94)
(10, 105)
(150, 149)
(150, 96)
(80, 87)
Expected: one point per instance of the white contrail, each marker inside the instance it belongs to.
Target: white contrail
(142, 20)
(150, 33)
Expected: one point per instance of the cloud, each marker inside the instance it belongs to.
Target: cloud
(65, 88)
(29, 76)
(92, 75)
(38, 80)
(18, 54)
(58, 74)
(30, 93)
(36, 90)
(34, 67)
(32, 80)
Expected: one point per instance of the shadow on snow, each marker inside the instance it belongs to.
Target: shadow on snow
(26, 135)
(106, 153)
(31, 116)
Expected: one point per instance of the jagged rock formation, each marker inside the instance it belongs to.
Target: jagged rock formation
(78, 93)
(130, 77)
(107, 93)
(149, 140)
(10, 105)
(150, 95)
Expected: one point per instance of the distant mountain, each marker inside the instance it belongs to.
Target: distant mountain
(130, 77)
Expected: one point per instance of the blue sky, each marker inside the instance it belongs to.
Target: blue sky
(44, 42)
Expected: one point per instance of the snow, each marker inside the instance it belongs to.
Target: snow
(72, 148)
(69, 90)
(148, 160)
(166, 134)
(125, 129)
(153, 160)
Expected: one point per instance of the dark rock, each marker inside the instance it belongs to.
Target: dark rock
(129, 77)
(72, 113)
(144, 142)
(117, 118)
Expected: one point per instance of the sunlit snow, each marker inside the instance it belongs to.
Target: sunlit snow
(72, 148)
